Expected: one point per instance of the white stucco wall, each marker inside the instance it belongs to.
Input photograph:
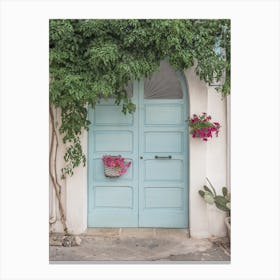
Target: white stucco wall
(76, 199)
(207, 159)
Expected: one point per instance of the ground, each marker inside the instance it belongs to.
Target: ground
(144, 246)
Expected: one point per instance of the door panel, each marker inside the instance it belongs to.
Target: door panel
(112, 202)
(113, 141)
(111, 115)
(163, 169)
(163, 198)
(163, 114)
(172, 142)
(114, 197)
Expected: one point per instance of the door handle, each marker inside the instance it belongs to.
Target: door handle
(158, 157)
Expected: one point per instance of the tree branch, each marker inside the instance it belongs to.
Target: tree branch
(56, 185)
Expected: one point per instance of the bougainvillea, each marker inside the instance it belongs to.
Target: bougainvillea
(202, 127)
(117, 163)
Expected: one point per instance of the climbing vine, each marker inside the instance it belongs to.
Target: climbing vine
(90, 59)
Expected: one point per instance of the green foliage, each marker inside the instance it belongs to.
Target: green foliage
(225, 191)
(90, 59)
(208, 190)
(222, 202)
(212, 187)
(209, 198)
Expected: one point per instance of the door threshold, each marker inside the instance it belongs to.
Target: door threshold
(138, 232)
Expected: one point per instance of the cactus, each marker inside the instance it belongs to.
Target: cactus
(207, 195)
(209, 198)
(222, 202)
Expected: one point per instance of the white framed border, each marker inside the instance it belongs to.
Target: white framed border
(254, 137)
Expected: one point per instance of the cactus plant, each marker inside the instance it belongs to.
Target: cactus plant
(210, 196)
(222, 202)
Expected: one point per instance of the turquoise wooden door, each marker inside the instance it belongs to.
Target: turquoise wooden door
(154, 191)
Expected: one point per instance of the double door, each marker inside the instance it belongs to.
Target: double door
(154, 191)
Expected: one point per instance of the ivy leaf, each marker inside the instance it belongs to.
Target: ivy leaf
(94, 59)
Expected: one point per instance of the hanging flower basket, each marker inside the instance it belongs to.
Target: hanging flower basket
(202, 127)
(115, 166)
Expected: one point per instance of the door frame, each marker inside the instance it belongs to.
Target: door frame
(184, 87)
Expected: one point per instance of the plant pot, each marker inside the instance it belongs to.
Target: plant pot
(111, 172)
(227, 222)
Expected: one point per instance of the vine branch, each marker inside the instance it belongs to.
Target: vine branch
(57, 187)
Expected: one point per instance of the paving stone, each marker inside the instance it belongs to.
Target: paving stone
(128, 247)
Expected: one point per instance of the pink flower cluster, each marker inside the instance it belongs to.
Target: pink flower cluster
(118, 163)
(202, 127)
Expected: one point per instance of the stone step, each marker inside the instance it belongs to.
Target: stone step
(137, 232)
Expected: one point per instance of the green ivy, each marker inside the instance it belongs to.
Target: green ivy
(90, 59)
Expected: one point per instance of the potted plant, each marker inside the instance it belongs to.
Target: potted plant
(202, 127)
(222, 202)
(115, 166)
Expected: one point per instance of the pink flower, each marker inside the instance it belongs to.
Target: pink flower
(117, 163)
(202, 127)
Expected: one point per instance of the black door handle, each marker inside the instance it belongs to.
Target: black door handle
(158, 157)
